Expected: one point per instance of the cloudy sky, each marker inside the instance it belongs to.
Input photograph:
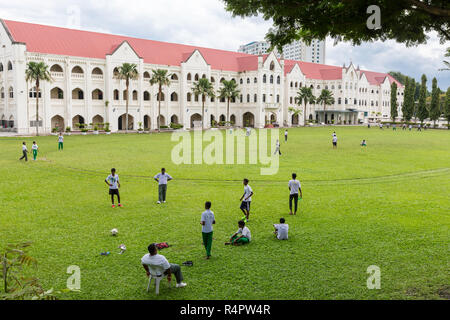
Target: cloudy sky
(206, 23)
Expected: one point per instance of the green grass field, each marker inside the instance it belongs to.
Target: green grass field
(387, 205)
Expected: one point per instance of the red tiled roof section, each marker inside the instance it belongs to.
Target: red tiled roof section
(69, 42)
(377, 78)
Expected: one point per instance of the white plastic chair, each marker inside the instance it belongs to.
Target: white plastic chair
(157, 273)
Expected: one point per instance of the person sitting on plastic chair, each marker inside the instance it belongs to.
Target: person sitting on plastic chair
(156, 266)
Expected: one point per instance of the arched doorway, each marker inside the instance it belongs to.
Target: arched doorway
(77, 120)
(248, 119)
(326, 118)
(317, 117)
(213, 120)
(162, 120)
(122, 124)
(147, 123)
(233, 119)
(196, 120)
(295, 119)
(273, 118)
(97, 120)
(174, 119)
(57, 122)
(222, 118)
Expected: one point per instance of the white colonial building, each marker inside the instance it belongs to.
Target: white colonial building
(85, 90)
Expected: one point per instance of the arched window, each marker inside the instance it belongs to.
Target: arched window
(213, 80)
(56, 68)
(146, 96)
(124, 95)
(240, 98)
(174, 96)
(10, 66)
(203, 76)
(346, 101)
(332, 87)
(11, 92)
(97, 71)
(196, 98)
(255, 98)
(222, 80)
(32, 93)
(264, 98)
(241, 81)
(255, 80)
(189, 77)
(162, 96)
(290, 100)
(196, 77)
(296, 84)
(278, 98)
(77, 70)
(339, 100)
(97, 94)
(248, 98)
(318, 86)
(135, 95)
(56, 93)
(174, 77)
(146, 75)
(2, 93)
(189, 97)
(278, 80)
(248, 80)
(271, 78)
(264, 78)
(233, 80)
(116, 94)
(1, 67)
(272, 66)
(116, 72)
(292, 84)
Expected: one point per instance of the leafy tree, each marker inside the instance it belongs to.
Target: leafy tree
(295, 112)
(400, 77)
(405, 21)
(447, 107)
(326, 97)
(435, 112)
(203, 88)
(37, 72)
(305, 95)
(160, 78)
(229, 91)
(422, 111)
(406, 107)
(127, 71)
(446, 63)
(394, 105)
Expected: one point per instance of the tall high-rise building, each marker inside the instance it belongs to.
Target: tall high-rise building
(297, 50)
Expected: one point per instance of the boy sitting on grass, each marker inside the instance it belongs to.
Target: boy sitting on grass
(281, 230)
(242, 236)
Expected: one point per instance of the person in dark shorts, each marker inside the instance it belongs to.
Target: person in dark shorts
(246, 199)
(334, 141)
(113, 182)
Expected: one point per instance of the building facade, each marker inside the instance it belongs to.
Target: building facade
(85, 89)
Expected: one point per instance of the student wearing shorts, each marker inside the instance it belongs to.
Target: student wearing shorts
(113, 182)
(246, 199)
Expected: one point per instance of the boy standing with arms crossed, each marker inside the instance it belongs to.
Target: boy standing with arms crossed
(207, 222)
(113, 182)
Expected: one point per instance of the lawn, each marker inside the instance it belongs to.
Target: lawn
(386, 205)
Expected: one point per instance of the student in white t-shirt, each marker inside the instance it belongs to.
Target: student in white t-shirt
(241, 236)
(207, 222)
(285, 135)
(24, 151)
(295, 189)
(60, 141)
(246, 199)
(113, 182)
(34, 148)
(155, 261)
(277, 148)
(281, 230)
(162, 179)
(334, 141)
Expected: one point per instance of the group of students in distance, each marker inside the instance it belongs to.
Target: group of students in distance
(35, 148)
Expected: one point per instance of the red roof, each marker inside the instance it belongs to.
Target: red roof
(78, 43)
(377, 78)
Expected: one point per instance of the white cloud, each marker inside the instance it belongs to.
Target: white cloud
(206, 23)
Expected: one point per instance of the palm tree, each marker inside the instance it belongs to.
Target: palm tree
(228, 91)
(295, 111)
(127, 71)
(161, 78)
(326, 97)
(37, 72)
(305, 95)
(203, 88)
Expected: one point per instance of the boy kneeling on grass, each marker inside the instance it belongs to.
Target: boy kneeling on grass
(242, 236)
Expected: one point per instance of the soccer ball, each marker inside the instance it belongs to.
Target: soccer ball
(114, 232)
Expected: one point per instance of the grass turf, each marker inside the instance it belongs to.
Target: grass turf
(386, 205)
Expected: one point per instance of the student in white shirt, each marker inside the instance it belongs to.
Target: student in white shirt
(277, 148)
(295, 189)
(113, 182)
(242, 236)
(285, 135)
(281, 230)
(334, 141)
(34, 148)
(246, 199)
(162, 179)
(207, 222)
(60, 141)
(24, 151)
(154, 259)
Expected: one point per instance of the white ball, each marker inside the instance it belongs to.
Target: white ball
(114, 232)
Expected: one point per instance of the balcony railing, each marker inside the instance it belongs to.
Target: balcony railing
(57, 75)
(97, 77)
(78, 75)
(272, 105)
